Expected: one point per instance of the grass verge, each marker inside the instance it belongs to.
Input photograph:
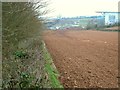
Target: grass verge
(50, 68)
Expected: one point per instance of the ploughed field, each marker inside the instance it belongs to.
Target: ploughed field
(84, 59)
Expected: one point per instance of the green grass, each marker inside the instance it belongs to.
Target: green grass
(107, 30)
(51, 70)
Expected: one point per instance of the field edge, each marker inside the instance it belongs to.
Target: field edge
(50, 68)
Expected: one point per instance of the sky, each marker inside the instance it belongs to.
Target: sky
(72, 8)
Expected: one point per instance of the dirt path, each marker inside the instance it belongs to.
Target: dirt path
(84, 58)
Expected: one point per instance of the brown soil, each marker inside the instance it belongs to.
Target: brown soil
(85, 59)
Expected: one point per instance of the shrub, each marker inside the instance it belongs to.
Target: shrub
(22, 22)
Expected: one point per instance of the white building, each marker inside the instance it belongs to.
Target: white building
(111, 18)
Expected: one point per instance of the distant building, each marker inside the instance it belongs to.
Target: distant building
(110, 18)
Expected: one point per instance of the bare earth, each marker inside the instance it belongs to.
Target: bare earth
(85, 59)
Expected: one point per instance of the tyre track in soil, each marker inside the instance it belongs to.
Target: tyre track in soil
(85, 59)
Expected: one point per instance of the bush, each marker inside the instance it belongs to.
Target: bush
(21, 23)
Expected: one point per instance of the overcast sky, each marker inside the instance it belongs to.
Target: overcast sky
(71, 8)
